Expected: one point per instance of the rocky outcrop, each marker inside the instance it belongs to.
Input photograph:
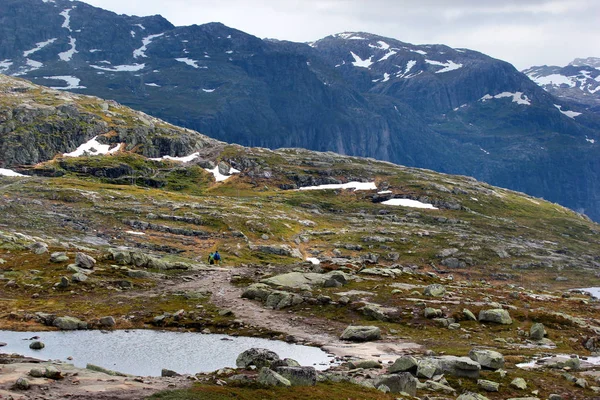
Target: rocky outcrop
(361, 333)
(256, 357)
(498, 316)
(69, 323)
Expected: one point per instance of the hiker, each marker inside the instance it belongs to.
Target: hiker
(217, 257)
(211, 258)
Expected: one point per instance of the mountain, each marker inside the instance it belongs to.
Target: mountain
(451, 110)
(578, 82)
(118, 211)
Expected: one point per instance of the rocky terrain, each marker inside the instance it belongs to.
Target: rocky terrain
(442, 301)
(429, 106)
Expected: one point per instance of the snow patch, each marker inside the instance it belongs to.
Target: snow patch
(219, 177)
(350, 185)
(359, 62)
(135, 233)
(121, 68)
(554, 79)
(517, 97)
(592, 141)
(5, 65)
(388, 55)
(314, 261)
(68, 55)
(484, 150)
(71, 81)
(153, 84)
(570, 114)
(184, 159)
(142, 27)
(9, 172)
(385, 192)
(93, 147)
(448, 66)
(141, 52)
(190, 62)
(421, 52)
(38, 47)
(34, 64)
(408, 203)
(67, 15)
(208, 90)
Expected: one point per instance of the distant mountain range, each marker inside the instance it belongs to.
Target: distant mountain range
(432, 106)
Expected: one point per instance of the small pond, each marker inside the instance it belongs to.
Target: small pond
(146, 352)
(594, 291)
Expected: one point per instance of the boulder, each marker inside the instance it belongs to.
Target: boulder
(37, 373)
(38, 248)
(69, 323)
(498, 316)
(298, 280)
(256, 357)
(488, 359)
(537, 332)
(107, 322)
(377, 312)
(22, 384)
(286, 362)
(427, 368)
(361, 333)
(37, 345)
(365, 364)
(488, 386)
(404, 364)
(257, 291)
(84, 261)
(79, 277)
(398, 383)
(269, 377)
(63, 284)
(469, 315)
(471, 396)
(299, 376)
(59, 257)
(279, 299)
(53, 373)
(435, 290)
(167, 373)
(433, 313)
(519, 383)
(462, 367)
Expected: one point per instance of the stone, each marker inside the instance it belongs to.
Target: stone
(555, 397)
(269, 377)
(59, 257)
(256, 357)
(167, 373)
(573, 364)
(53, 373)
(64, 283)
(488, 386)
(402, 382)
(361, 333)
(107, 322)
(79, 277)
(299, 376)
(286, 362)
(297, 280)
(377, 312)
(537, 331)
(471, 396)
(433, 313)
(427, 368)
(37, 345)
(469, 315)
(22, 384)
(435, 290)
(581, 383)
(365, 364)
(39, 248)
(37, 373)
(404, 364)
(279, 299)
(498, 316)
(84, 261)
(69, 323)
(438, 387)
(462, 367)
(106, 371)
(257, 291)
(488, 359)
(519, 383)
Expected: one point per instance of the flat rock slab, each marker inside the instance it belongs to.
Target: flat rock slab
(380, 351)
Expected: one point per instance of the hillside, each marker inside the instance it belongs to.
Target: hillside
(429, 106)
(309, 262)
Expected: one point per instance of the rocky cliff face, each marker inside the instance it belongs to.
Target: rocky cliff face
(452, 110)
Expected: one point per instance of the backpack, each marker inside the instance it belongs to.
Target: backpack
(217, 256)
(211, 258)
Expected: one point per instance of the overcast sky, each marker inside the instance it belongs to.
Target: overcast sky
(523, 32)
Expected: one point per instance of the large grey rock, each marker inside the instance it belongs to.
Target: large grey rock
(59, 257)
(282, 250)
(361, 333)
(488, 386)
(471, 396)
(459, 366)
(519, 383)
(435, 290)
(365, 364)
(22, 384)
(379, 313)
(537, 331)
(298, 280)
(434, 386)
(84, 261)
(498, 316)
(269, 377)
(257, 291)
(38, 248)
(398, 383)
(37, 373)
(487, 358)
(279, 299)
(108, 322)
(69, 323)
(79, 277)
(404, 364)
(430, 312)
(427, 368)
(469, 315)
(37, 345)
(256, 357)
(299, 376)
(53, 373)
